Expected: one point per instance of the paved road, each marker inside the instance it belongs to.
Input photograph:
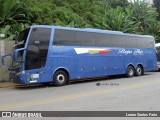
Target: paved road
(107, 94)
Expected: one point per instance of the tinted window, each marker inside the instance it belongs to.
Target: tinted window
(40, 37)
(84, 39)
(80, 38)
(149, 43)
(64, 37)
(32, 58)
(118, 41)
(73, 38)
(145, 42)
(103, 40)
(23, 35)
(122, 41)
(131, 42)
(141, 43)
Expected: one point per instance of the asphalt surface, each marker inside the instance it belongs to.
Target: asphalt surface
(116, 93)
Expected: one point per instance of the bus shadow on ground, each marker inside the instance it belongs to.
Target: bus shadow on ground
(75, 82)
(102, 79)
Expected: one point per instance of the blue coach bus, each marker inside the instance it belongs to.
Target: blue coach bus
(60, 54)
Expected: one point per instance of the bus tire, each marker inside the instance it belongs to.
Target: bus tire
(60, 78)
(130, 71)
(139, 70)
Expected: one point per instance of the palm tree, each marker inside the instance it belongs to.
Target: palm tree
(117, 19)
(142, 14)
(13, 15)
(12, 12)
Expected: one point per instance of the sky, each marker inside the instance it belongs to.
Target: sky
(150, 1)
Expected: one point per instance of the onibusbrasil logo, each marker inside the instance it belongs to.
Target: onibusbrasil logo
(98, 84)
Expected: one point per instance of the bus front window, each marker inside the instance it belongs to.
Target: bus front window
(19, 43)
(15, 64)
(22, 38)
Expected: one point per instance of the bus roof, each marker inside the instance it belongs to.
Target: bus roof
(93, 30)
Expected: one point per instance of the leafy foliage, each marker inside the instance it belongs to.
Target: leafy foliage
(117, 19)
(115, 3)
(12, 13)
(121, 15)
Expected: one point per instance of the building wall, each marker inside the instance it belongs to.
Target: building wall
(5, 48)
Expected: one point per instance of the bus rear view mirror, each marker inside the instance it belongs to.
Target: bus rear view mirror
(18, 54)
(6, 60)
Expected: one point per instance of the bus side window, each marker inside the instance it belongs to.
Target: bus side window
(119, 41)
(64, 37)
(84, 38)
(103, 40)
(149, 43)
(131, 42)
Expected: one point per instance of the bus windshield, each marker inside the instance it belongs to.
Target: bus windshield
(14, 64)
(20, 43)
(23, 36)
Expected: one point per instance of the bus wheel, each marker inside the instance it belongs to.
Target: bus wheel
(139, 70)
(130, 71)
(60, 78)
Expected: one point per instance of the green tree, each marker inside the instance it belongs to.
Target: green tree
(121, 15)
(12, 13)
(143, 14)
(144, 17)
(117, 19)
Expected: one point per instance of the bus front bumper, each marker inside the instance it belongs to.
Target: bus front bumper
(18, 79)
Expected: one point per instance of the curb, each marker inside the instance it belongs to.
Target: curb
(7, 84)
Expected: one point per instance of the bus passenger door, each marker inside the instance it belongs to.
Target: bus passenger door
(32, 64)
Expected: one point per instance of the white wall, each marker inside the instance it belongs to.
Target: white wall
(5, 48)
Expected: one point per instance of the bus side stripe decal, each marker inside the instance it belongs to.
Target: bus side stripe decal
(91, 51)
